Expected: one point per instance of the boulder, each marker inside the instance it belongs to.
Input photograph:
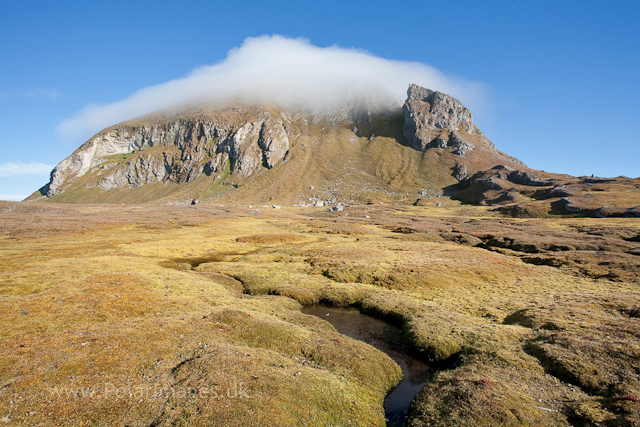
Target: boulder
(460, 172)
(460, 144)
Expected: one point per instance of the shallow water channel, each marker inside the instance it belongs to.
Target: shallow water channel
(387, 338)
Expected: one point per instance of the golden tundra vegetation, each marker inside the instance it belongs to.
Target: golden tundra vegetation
(153, 315)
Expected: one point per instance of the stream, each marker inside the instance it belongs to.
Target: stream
(387, 338)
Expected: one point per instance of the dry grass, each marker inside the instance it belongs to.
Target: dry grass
(189, 303)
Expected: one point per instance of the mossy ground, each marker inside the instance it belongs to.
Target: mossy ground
(160, 315)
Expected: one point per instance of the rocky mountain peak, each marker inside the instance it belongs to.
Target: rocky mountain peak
(437, 119)
(444, 111)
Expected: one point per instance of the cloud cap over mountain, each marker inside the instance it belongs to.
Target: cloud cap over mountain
(276, 69)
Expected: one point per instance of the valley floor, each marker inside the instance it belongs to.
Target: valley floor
(153, 315)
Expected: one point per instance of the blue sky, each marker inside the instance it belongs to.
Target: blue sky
(561, 78)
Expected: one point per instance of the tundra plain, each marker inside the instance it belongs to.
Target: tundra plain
(157, 315)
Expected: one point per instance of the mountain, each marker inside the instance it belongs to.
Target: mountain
(253, 153)
(368, 151)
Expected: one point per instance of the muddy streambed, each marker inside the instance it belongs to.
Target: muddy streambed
(387, 338)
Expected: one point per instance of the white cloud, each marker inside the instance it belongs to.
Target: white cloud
(13, 169)
(12, 197)
(281, 70)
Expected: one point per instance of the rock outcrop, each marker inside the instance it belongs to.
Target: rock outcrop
(434, 119)
(507, 176)
(503, 184)
(185, 148)
(460, 172)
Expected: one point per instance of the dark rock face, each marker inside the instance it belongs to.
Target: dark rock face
(609, 212)
(460, 172)
(557, 191)
(525, 178)
(505, 173)
(633, 212)
(570, 206)
(440, 142)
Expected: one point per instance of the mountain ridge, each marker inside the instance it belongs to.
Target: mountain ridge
(235, 145)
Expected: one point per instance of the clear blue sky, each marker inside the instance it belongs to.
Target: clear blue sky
(562, 77)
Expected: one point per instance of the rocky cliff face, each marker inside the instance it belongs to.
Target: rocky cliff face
(434, 119)
(176, 151)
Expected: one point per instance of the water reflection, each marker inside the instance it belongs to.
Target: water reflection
(387, 338)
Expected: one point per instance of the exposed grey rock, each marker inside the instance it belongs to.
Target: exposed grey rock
(603, 212)
(488, 183)
(501, 171)
(440, 142)
(460, 144)
(608, 212)
(426, 112)
(212, 166)
(558, 191)
(273, 141)
(633, 212)
(570, 206)
(244, 150)
(489, 178)
(444, 110)
(508, 196)
(203, 145)
(525, 178)
(460, 172)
